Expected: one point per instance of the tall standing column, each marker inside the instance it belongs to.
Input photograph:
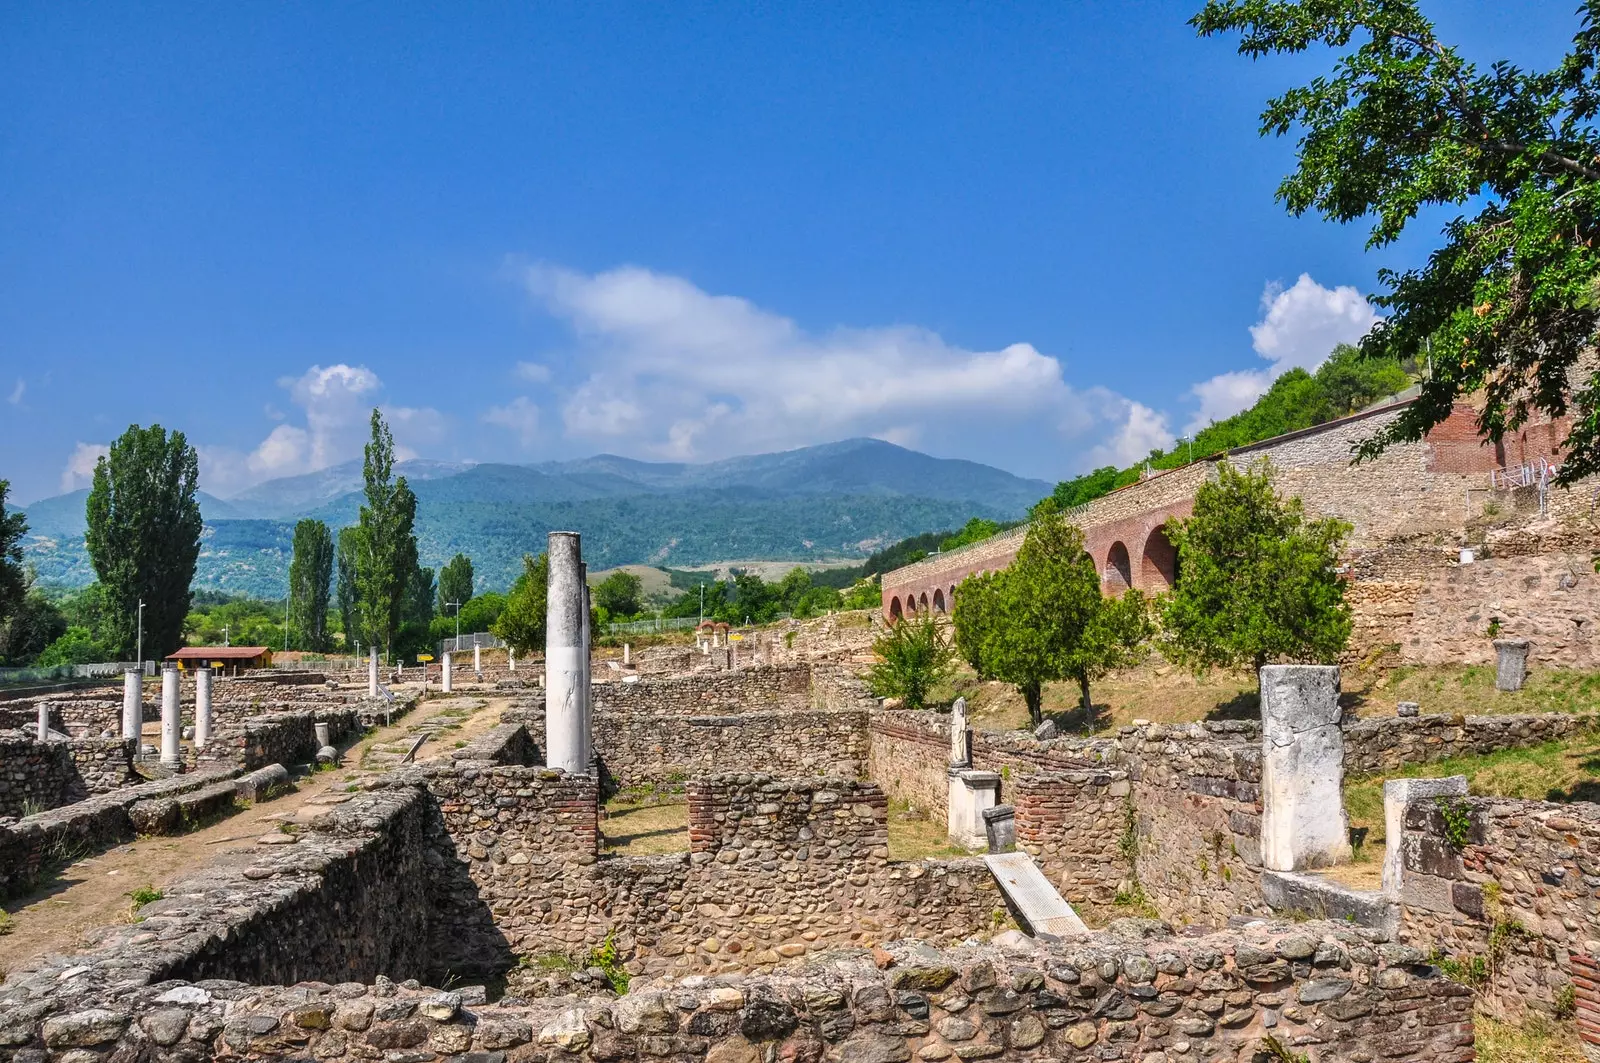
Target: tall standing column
(133, 706)
(1303, 824)
(586, 703)
(202, 707)
(372, 674)
(44, 722)
(447, 683)
(171, 722)
(563, 669)
(477, 661)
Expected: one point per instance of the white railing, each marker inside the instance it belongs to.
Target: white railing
(1537, 473)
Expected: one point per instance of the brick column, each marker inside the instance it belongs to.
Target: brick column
(1586, 994)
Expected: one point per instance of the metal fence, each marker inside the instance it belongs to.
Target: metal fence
(466, 642)
(638, 627)
(56, 673)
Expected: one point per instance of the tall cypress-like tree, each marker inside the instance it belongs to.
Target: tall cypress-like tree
(309, 574)
(388, 546)
(455, 583)
(349, 548)
(144, 537)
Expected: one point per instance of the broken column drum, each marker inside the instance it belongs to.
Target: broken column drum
(1303, 824)
(132, 705)
(563, 668)
(202, 707)
(171, 756)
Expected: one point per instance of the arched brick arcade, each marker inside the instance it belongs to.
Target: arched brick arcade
(1158, 567)
(1116, 575)
(938, 601)
(894, 608)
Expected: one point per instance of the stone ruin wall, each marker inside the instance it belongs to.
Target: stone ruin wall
(757, 888)
(1321, 987)
(788, 720)
(274, 738)
(39, 776)
(1518, 892)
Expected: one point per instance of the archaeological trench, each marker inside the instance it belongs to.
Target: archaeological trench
(436, 909)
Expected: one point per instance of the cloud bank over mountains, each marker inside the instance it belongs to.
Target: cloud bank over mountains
(656, 367)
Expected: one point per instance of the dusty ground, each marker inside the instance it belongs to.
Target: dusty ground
(94, 892)
(648, 829)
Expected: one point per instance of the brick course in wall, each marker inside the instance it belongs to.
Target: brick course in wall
(1071, 823)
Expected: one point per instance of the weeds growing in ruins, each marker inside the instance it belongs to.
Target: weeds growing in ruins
(1565, 1005)
(7, 924)
(1457, 822)
(1281, 1052)
(606, 957)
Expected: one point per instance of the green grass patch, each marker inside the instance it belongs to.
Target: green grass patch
(1555, 771)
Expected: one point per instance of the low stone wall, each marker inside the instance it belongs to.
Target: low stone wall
(1197, 818)
(1317, 986)
(721, 693)
(662, 732)
(36, 776)
(1073, 824)
(1383, 745)
(1513, 889)
(280, 738)
(30, 847)
(103, 764)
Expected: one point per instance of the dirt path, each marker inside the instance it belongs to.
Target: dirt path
(94, 892)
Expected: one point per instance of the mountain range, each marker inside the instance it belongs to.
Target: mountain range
(838, 500)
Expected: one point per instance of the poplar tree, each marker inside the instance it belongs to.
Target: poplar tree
(348, 549)
(388, 546)
(455, 583)
(310, 572)
(13, 580)
(144, 538)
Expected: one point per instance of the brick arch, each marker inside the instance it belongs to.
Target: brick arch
(922, 606)
(1116, 575)
(894, 608)
(938, 600)
(1158, 562)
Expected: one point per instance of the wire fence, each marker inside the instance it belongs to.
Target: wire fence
(467, 642)
(57, 673)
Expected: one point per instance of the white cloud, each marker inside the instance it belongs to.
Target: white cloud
(80, 465)
(1141, 431)
(520, 417)
(17, 392)
(677, 372)
(533, 372)
(337, 401)
(1299, 327)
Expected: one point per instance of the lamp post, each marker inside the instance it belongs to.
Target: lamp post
(457, 604)
(140, 650)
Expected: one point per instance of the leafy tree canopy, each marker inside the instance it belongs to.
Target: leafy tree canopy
(1259, 582)
(310, 572)
(144, 538)
(387, 544)
(1402, 122)
(620, 594)
(522, 623)
(13, 580)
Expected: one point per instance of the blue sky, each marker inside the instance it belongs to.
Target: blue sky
(1037, 235)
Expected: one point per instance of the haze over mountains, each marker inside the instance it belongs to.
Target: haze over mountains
(838, 500)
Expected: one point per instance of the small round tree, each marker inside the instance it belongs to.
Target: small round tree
(1258, 582)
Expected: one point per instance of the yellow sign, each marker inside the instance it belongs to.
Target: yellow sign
(216, 664)
(424, 658)
(735, 638)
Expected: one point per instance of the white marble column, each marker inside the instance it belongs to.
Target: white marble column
(202, 707)
(171, 720)
(133, 706)
(563, 668)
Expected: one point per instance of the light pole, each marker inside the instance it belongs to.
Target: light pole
(140, 650)
(457, 604)
(225, 641)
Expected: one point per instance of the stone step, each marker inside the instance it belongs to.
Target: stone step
(1311, 894)
(183, 812)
